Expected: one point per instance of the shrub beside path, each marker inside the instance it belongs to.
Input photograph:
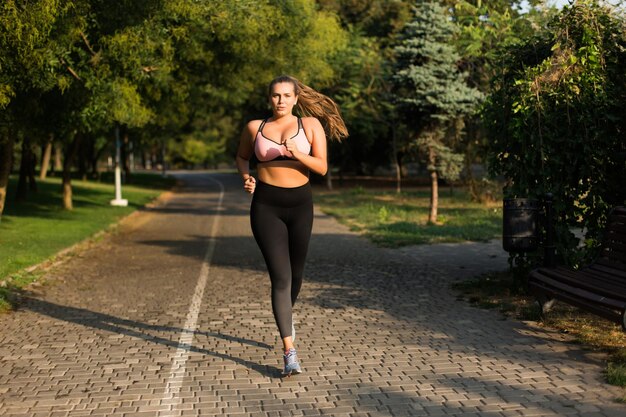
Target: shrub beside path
(171, 315)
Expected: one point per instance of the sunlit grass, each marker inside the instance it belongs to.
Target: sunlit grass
(392, 220)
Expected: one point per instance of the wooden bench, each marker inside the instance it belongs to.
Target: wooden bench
(600, 287)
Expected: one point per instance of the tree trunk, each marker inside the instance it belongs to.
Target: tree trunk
(83, 151)
(131, 158)
(32, 165)
(6, 156)
(45, 158)
(144, 161)
(396, 159)
(472, 136)
(329, 181)
(22, 187)
(97, 154)
(398, 174)
(471, 181)
(58, 157)
(71, 153)
(434, 186)
(163, 167)
(125, 157)
(67, 191)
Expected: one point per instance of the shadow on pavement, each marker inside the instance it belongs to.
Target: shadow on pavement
(131, 328)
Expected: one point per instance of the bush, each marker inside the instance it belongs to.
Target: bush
(555, 119)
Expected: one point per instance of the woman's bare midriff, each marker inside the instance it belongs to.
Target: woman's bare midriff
(287, 174)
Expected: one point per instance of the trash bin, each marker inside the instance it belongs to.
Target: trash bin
(520, 224)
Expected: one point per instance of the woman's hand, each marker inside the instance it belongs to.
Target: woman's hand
(291, 146)
(249, 184)
(316, 160)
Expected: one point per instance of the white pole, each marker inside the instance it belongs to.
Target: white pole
(119, 201)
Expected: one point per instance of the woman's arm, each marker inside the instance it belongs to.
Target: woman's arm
(244, 153)
(315, 162)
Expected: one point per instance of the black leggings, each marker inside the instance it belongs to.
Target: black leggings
(281, 220)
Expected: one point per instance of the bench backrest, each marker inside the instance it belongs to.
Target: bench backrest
(613, 252)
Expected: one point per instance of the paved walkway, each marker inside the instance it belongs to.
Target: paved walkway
(171, 316)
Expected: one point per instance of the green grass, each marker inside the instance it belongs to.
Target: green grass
(35, 230)
(392, 220)
(616, 373)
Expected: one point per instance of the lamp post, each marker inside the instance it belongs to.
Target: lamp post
(119, 201)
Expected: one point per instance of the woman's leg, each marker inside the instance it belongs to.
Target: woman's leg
(300, 225)
(272, 236)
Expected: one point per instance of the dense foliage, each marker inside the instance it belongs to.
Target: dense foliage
(556, 121)
(178, 77)
(361, 87)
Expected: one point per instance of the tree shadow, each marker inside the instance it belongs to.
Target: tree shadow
(488, 401)
(135, 329)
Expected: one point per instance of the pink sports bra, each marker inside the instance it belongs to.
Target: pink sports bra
(267, 150)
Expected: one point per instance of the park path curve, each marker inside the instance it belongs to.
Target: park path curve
(170, 315)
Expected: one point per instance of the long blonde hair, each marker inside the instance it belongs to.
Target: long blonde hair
(315, 104)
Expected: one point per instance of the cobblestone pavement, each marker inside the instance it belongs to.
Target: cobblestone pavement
(170, 315)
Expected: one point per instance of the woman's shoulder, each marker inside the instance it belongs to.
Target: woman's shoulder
(253, 126)
(310, 122)
(251, 129)
(313, 129)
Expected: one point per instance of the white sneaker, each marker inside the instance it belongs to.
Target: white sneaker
(292, 365)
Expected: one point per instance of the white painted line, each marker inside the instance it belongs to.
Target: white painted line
(171, 398)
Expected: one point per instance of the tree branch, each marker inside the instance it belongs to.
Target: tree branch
(74, 73)
(71, 71)
(82, 35)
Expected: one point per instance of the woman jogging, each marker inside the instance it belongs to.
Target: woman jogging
(286, 148)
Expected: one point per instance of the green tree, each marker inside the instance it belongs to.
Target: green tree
(31, 35)
(431, 91)
(362, 87)
(376, 19)
(181, 69)
(358, 92)
(485, 26)
(225, 53)
(122, 59)
(556, 121)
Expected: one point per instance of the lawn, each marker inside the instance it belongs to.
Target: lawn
(390, 219)
(35, 230)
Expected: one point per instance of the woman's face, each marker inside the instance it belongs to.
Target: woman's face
(283, 98)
